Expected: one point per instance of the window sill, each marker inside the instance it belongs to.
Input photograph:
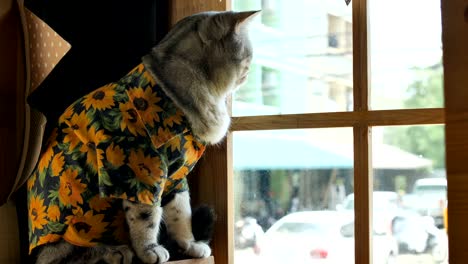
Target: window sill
(208, 260)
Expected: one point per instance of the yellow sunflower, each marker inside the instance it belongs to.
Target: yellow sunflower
(45, 159)
(193, 149)
(176, 118)
(52, 140)
(130, 120)
(161, 137)
(100, 99)
(150, 78)
(97, 203)
(67, 114)
(146, 197)
(115, 155)
(147, 169)
(71, 188)
(94, 159)
(83, 229)
(93, 155)
(53, 213)
(174, 143)
(145, 103)
(76, 130)
(180, 173)
(32, 181)
(49, 238)
(77, 211)
(58, 161)
(168, 186)
(37, 213)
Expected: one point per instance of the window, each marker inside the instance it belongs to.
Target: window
(213, 180)
(308, 146)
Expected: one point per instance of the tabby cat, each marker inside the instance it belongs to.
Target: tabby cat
(116, 164)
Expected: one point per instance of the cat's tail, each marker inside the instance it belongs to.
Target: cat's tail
(203, 221)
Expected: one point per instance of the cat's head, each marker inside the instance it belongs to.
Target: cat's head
(214, 45)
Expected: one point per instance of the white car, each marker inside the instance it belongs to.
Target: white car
(318, 237)
(384, 208)
(428, 198)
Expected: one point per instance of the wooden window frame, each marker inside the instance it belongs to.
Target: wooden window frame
(212, 180)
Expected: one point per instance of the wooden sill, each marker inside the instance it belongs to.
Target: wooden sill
(208, 260)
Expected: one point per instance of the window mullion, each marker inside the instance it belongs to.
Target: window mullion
(362, 142)
(362, 193)
(361, 93)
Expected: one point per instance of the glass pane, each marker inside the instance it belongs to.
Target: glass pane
(288, 185)
(405, 54)
(410, 192)
(302, 58)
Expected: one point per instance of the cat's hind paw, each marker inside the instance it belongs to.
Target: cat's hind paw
(154, 253)
(198, 249)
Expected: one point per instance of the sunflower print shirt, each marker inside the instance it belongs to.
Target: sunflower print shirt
(125, 140)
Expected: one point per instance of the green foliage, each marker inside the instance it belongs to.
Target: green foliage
(426, 141)
(427, 89)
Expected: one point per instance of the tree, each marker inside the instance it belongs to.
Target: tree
(427, 141)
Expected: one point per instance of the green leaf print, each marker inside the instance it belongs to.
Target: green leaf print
(120, 96)
(76, 154)
(53, 195)
(56, 227)
(34, 240)
(42, 176)
(104, 178)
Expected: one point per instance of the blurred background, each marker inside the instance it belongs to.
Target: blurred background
(294, 190)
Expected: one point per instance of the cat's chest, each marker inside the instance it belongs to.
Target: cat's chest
(211, 127)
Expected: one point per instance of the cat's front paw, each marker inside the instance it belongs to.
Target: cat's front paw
(154, 254)
(119, 255)
(198, 249)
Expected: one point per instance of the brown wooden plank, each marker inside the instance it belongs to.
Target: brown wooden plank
(455, 59)
(360, 69)
(362, 171)
(209, 260)
(340, 119)
(210, 182)
(362, 191)
(179, 9)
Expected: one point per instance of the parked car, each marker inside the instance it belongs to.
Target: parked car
(385, 207)
(418, 234)
(413, 232)
(428, 197)
(318, 237)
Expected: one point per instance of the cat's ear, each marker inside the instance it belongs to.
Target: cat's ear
(243, 18)
(218, 26)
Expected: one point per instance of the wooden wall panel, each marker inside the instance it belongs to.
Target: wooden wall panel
(181, 8)
(211, 180)
(455, 59)
(11, 95)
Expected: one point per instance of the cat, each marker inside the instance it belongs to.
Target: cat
(116, 164)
